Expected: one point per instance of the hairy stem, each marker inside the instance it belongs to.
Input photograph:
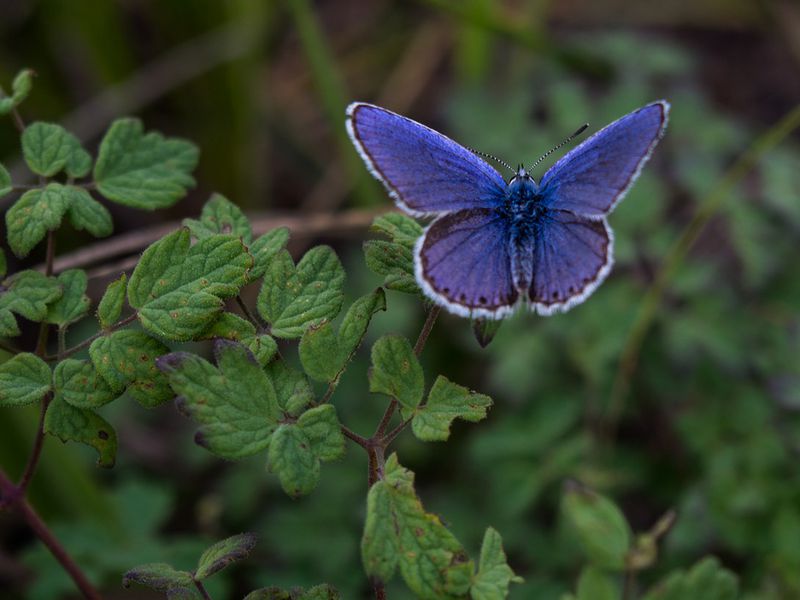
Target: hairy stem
(248, 313)
(201, 588)
(88, 341)
(13, 498)
(360, 440)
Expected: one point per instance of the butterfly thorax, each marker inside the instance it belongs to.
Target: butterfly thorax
(522, 201)
(523, 209)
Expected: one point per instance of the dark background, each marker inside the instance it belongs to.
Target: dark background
(710, 427)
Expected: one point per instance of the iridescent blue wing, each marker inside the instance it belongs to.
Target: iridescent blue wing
(462, 263)
(425, 172)
(591, 179)
(571, 256)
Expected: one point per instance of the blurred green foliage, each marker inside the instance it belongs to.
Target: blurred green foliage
(711, 426)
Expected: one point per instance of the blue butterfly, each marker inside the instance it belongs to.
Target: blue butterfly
(495, 244)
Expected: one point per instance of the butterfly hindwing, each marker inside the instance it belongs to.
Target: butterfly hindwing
(591, 179)
(425, 172)
(462, 262)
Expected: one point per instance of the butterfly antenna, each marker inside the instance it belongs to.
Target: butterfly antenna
(494, 158)
(581, 129)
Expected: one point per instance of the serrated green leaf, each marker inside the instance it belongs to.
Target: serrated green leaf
(24, 378)
(494, 576)
(320, 592)
(235, 403)
(292, 387)
(158, 576)
(269, 593)
(35, 213)
(395, 262)
(178, 289)
(324, 432)
(48, 148)
(292, 460)
(380, 544)
(706, 580)
(84, 426)
(126, 360)
(143, 170)
(20, 88)
(396, 372)
(398, 228)
(292, 299)
(431, 560)
(73, 303)
(110, 307)
(220, 215)
(601, 527)
(5, 182)
(325, 354)
(447, 401)
(78, 383)
(223, 553)
(85, 212)
(596, 584)
(26, 293)
(264, 248)
(234, 328)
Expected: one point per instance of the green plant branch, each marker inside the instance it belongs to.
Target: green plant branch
(709, 206)
(13, 497)
(88, 341)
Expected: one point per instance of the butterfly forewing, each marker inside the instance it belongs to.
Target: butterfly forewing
(591, 179)
(425, 172)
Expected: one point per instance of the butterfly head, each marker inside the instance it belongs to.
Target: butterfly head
(522, 187)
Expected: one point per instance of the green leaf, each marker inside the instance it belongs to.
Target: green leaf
(396, 372)
(110, 307)
(324, 432)
(84, 426)
(395, 262)
(269, 593)
(74, 303)
(596, 584)
(494, 575)
(431, 560)
(292, 460)
(220, 215)
(706, 580)
(178, 289)
(264, 248)
(20, 88)
(223, 553)
(126, 360)
(447, 401)
(235, 403)
(398, 228)
(292, 387)
(35, 213)
(5, 182)
(320, 592)
(293, 299)
(24, 378)
(78, 383)
(234, 328)
(87, 213)
(158, 576)
(325, 354)
(26, 293)
(601, 527)
(48, 148)
(146, 171)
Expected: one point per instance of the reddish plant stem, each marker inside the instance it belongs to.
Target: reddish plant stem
(36, 452)
(88, 342)
(361, 441)
(201, 588)
(13, 498)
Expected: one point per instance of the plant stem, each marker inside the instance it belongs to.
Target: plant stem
(708, 208)
(430, 320)
(14, 498)
(38, 444)
(201, 588)
(360, 440)
(248, 313)
(88, 341)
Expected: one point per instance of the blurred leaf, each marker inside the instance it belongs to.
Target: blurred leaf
(292, 299)
(73, 303)
(178, 289)
(126, 360)
(595, 584)
(24, 378)
(77, 383)
(318, 592)
(223, 553)
(33, 215)
(397, 373)
(20, 88)
(494, 576)
(398, 228)
(146, 171)
(48, 148)
(325, 354)
(158, 576)
(5, 180)
(485, 330)
(707, 580)
(84, 426)
(220, 215)
(447, 401)
(110, 307)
